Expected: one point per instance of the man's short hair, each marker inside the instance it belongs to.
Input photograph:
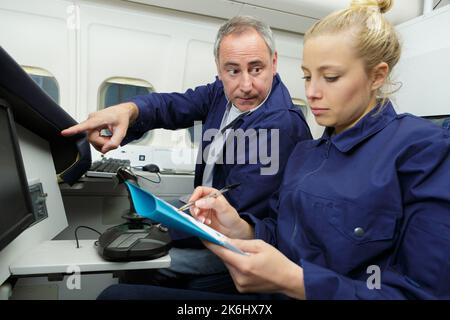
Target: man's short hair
(240, 24)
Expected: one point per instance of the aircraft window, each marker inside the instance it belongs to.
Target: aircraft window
(45, 80)
(117, 90)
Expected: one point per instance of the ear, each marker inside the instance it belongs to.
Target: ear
(379, 75)
(274, 63)
(218, 69)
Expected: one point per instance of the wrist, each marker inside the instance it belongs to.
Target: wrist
(295, 284)
(244, 230)
(132, 111)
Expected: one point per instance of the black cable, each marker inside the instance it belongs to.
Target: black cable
(159, 178)
(76, 235)
(138, 175)
(437, 4)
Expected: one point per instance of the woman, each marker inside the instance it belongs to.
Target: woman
(363, 212)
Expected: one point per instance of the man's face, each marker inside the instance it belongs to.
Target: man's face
(246, 68)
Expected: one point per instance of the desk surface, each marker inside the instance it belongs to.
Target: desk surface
(62, 256)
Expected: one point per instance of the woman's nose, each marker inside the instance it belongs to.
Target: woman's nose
(312, 90)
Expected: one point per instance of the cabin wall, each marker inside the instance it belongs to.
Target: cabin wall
(84, 43)
(423, 70)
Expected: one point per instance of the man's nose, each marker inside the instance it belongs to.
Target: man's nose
(246, 83)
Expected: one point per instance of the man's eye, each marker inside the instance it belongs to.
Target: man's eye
(331, 79)
(307, 78)
(256, 70)
(232, 72)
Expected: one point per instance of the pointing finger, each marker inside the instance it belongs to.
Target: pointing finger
(81, 127)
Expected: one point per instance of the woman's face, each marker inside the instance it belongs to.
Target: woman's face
(338, 88)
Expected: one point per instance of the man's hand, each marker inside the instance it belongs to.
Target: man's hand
(116, 118)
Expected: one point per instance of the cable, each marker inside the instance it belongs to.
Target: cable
(76, 235)
(159, 177)
(437, 4)
(145, 178)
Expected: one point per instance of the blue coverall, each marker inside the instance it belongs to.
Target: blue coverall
(375, 197)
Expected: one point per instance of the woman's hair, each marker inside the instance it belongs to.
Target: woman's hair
(376, 40)
(240, 24)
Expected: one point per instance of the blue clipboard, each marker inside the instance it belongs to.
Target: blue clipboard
(149, 206)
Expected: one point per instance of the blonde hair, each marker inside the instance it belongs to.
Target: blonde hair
(376, 38)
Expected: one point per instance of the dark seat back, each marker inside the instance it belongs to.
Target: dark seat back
(35, 110)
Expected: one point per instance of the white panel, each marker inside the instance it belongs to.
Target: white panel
(38, 165)
(36, 34)
(279, 20)
(290, 15)
(402, 10)
(290, 73)
(424, 66)
(141, 55)
(289, 47)
(137, 42)
(200, 67)
(295, 18)
(216, 8)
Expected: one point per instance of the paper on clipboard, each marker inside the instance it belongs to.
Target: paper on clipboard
(149, 206)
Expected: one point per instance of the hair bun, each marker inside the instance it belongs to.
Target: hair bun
(383, 5)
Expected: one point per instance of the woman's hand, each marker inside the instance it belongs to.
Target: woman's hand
(217, 213)
(265, 269)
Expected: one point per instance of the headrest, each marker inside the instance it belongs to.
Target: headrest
(35, 110)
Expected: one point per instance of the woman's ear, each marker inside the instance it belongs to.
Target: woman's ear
(379, 75)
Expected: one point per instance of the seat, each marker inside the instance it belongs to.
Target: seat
(36, 111)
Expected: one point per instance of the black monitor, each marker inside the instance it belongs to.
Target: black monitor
(16, 212)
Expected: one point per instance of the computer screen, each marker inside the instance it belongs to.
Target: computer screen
(15, 202)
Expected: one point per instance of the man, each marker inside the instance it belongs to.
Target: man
(247, 100)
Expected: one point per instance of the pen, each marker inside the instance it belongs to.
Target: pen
(211, 195)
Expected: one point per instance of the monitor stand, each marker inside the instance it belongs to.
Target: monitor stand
(138, 238)
(135, 221)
